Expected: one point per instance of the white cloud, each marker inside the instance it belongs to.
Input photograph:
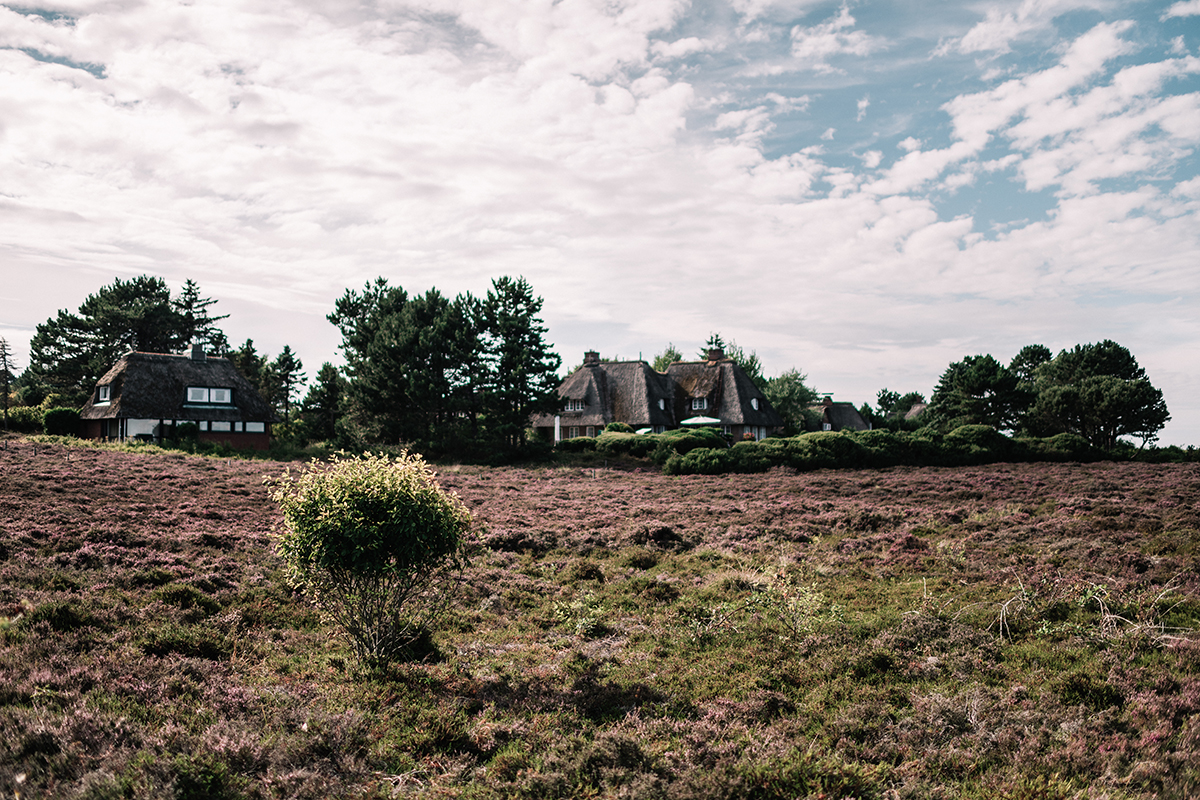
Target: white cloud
(812, 47)
(279, 154)
(1185, 8)
(1000, 28)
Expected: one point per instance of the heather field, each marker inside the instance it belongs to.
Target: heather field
(1003, 631)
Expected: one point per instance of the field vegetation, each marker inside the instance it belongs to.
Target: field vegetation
(988, 631)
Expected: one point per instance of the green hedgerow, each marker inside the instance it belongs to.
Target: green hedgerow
(374, 541)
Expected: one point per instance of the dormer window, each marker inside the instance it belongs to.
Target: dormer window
(754, 403)
(699, 403)
(209, 395)
(574, 405)
(662, 404)
(104, 394)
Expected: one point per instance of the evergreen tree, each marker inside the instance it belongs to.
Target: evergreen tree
(521, 368)
(412, 365)
(321, 408)
(979, 391)
(287, 374)
(198, 326)
(249, 362)
(6, 375)
(70, 352)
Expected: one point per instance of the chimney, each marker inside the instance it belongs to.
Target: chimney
(715, 354)
(591, 358)
(198, 352)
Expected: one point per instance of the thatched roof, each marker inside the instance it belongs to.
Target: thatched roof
(615, 391)
(631, 391)
(154, 386)
(731, 394)
(842, 416)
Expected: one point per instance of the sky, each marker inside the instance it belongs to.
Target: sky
(865, 192)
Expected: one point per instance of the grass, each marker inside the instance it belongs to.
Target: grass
(1010, 631)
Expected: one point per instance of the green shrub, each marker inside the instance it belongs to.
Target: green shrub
(684, 440)
(25, 419)
(618, 427)
(61, 422)
(373, 540)
(578, 444)
(978, 444)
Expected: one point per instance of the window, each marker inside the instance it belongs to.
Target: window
(206, 395)
(221, 426)
(572, 432)
(256, 427)
(754, 403)
(699, 403)
(591, 431)
(574, 405)
(104, 394)
(662, 404)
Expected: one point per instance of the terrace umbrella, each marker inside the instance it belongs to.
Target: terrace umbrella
(643, 430)
(701, 421)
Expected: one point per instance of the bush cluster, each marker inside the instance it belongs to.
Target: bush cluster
(963, 446)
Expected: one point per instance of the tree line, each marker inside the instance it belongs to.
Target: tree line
(429, 372)
(464, 375)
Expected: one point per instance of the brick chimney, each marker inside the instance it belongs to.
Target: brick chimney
(198, 352)
(591, 359)
(715, 354)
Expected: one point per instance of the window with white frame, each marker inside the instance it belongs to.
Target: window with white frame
(209, 395)
(754, 403)
(591, 430)
(574, 405)
(104, 394)
(572, 432)
(662, 404)
(699, 403)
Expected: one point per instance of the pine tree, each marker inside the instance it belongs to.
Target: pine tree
(522, 377)
(287, 371)
(322, 406)
(198, 326)
(6, 375)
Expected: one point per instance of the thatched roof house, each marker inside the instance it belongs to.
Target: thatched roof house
(840, 416)
(147, 395)
(632, 392)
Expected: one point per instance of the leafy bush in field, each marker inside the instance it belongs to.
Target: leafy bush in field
(25, 419)
(977, 444)
(370, 538)
(579, 444)
(683, 440)
(618, 427)
(61, 422)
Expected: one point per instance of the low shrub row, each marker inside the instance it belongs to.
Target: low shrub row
(705, 451)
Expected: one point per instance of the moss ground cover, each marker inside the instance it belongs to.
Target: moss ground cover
(1010, 631)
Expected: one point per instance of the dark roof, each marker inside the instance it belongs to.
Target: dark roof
(615, 391)
(154, 386)
(729, 390)
(842, 416)
(630, 391)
